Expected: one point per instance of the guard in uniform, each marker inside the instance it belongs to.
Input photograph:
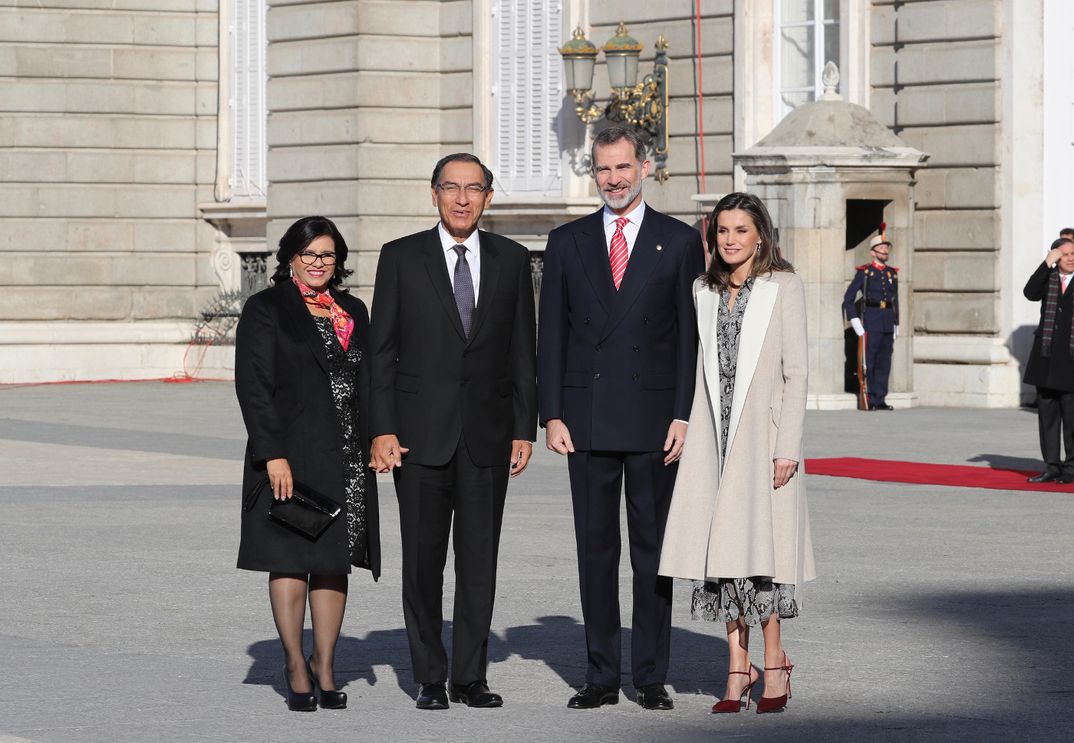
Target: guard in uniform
(878, 317)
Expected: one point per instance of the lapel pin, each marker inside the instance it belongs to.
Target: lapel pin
(659, 247)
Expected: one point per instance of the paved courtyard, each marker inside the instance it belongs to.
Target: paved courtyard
(940, 614)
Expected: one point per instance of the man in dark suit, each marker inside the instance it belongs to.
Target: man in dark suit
(453, 389)
(878, 284)
(616, 362)
(1051, 362)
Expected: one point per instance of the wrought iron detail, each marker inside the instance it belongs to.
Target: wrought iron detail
(253, 273)
(537, 270)
(216, 324)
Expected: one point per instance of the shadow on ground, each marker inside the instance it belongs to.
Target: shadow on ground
(699, 661)
(1006, 462)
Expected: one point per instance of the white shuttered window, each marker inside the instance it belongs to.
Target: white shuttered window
(527, 95)
(248, 100)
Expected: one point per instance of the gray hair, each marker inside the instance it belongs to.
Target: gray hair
(614, 134)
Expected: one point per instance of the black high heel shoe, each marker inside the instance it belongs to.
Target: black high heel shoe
(298, 701)
(327, 699)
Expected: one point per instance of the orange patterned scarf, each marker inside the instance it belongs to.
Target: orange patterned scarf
(341, 321)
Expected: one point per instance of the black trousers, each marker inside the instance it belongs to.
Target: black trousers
(596, 483)
(1055, 419)
(428, 498)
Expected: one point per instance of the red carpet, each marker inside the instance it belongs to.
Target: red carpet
(920, 473)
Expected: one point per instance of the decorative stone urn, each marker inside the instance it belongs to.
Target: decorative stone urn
(830, 173)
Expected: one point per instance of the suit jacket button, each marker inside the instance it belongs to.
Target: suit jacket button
(596, 376)
(636, 348)
(586, 321)
(596, 347)
(634, 376)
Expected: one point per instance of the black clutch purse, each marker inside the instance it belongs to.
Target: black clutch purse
(306, 512)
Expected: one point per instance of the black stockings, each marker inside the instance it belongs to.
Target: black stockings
(327, 600)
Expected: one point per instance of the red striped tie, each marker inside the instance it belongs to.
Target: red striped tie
(618, 254)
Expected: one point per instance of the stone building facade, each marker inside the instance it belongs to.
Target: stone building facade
(150, 149)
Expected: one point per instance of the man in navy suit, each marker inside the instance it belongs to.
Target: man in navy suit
(878, 284)
(617, 349)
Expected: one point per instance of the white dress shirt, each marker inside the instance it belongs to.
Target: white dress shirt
(630, 229)
(473, 257)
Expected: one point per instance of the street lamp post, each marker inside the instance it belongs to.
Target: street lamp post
(643, 105)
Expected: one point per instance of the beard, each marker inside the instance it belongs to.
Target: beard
(618, 202)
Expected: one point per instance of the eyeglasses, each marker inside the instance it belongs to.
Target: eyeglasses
(308, 258)
(451, 189)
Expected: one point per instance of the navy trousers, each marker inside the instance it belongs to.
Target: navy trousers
(879, 348)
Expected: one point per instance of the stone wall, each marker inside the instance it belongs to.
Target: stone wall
(364, 97)
(107, 144)
(936, 71)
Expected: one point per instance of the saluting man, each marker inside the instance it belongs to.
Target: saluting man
(878, 321)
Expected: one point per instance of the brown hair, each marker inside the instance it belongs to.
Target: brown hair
(768, 257)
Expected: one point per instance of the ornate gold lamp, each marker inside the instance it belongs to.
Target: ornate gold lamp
(643, 105)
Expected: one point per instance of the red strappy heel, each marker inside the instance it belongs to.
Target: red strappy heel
(734, 705)
(775, 704)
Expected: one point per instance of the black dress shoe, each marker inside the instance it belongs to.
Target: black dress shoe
(883, 406)
(1065, 479)
(1044, 477)
(654, 696)
(594, 695)
(475, 694)
(326, 698)
(298, 701)
(432, 696)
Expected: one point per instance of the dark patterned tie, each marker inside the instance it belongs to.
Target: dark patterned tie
(464, 289)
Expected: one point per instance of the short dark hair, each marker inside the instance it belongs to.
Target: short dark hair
(1066, 231)
(614, 134)
(301, 234)
(768, 258)
(1059, 242)
(461, 157)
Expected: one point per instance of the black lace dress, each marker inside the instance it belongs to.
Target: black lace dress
(343, 376)
(752, 600)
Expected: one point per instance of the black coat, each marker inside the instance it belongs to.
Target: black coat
(1055, 371)
(431, 384)
(281, 378)
(618, 366)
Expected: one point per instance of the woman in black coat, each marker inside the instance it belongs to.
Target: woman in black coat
(302, 379)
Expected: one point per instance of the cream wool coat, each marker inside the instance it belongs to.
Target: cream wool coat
(725, 520)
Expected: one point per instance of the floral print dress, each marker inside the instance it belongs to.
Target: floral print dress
(343, 376)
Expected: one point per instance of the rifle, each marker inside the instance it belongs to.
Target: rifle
(863, 385)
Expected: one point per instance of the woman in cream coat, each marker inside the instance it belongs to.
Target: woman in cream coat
(738, 521)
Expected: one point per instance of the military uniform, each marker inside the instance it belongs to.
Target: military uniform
(879, 288)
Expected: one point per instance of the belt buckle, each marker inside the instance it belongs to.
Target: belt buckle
(883, 305)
